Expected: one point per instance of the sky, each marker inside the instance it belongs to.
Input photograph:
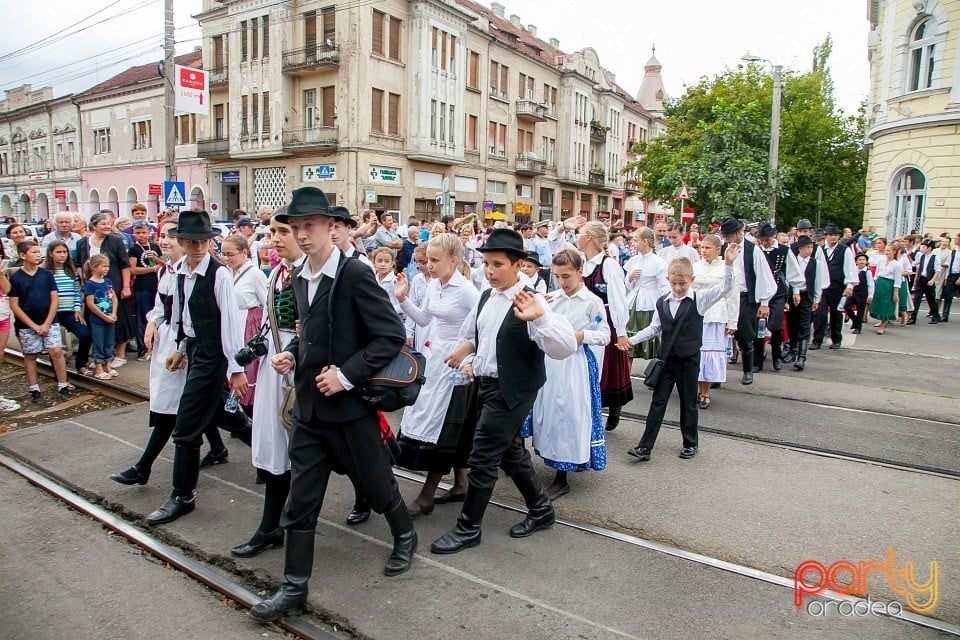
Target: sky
(693, 38)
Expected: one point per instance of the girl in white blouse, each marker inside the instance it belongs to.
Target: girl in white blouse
(887, 293)
(719, 321)
(646, 282)
(250, 289)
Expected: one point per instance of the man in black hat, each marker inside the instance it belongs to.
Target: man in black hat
(843, 278)
(776, 255)
(807, 277)
(924, 282)
(209, 333)
(348, 331)
(341, 233)
(510, 331)
(532, 269)
(757, 286)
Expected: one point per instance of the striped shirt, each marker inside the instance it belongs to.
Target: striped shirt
(68, 289)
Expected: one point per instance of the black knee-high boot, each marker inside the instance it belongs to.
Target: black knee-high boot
(268, 534)
(747, 366)
(540, 513)
(776, 349)
(291, 597)
(759, 354)
(945, 315)
(139, 473)
(613, 418)
(404, 538)
(466, 533)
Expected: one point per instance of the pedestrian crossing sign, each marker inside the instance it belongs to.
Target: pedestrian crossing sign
(173, 194)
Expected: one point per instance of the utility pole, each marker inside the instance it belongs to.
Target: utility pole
(169, 137)
(775, 140)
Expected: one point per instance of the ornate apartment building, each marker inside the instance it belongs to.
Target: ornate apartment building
(385, 105)
(913, 116)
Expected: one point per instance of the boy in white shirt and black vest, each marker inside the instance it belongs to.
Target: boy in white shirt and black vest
(857, 304)
(509, 332)
(925, 277)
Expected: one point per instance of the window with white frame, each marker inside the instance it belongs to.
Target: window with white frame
(496, 186)
(142, 135)
(101, 141)
(923, 57)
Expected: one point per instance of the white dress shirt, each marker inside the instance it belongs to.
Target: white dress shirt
(766, 286)
(585, 312)
(448, 305)
(710, 274)
(892, 269)
(231, 327)
(551, 331)
(952, 266)
(670, 252)
(704, 299)
(797, 276)
(871, 286)
(851, 275)
(644, 290)
(922, 265)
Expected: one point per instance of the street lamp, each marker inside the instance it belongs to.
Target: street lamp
(774, 160)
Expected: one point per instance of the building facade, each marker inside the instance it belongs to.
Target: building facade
(40, 152)
(122, 127)
(416, 107)
(913, 117)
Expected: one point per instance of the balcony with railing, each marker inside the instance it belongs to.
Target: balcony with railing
(328, 137)
(598, 132)
(632, 186)
(218, 77)
(529, 165)
(213, 148)
(530, 111)
(597, 178)
(322, 54)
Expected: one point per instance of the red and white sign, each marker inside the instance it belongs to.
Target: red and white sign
(59, 194)
(191, 93)
(684, 193)
(33, 195)
(688, 214)
(155, 189)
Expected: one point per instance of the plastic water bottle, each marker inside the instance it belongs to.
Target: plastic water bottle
(842, 304)
(459, 378)
(232, 403)
(729, 346)
(762, 329)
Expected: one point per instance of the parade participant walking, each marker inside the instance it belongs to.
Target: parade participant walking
(531, 267)
(348, 331)
(757, 286)
(680, 318)
(776, 256)
(924, 279)
(951, 273)
(509, 330)
(70, 307)
(269, 441)
(676, 248)
(886, 297)
(807, 278)
(719, 321)
(566, 423)
(857, 304)
(208, 333)
(646, 282)
(436, 432)
(842, 270)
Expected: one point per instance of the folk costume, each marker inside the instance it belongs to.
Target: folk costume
(951, 269)
(777, 259)
(716, 321)
(928, 268)
(856, 306)
(842, 268)
(889, 278)
(642, 294)
(250, 289)
(807, 277)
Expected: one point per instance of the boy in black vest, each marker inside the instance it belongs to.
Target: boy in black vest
(951, 273)
(807, 278)
(776, 255)
(858, 303)
(509, 332)
(679, 318)
(209, 334)
(928, 268)
(843, 277)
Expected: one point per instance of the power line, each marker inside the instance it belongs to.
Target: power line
(53, 35)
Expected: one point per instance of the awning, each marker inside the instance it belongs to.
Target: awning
(495, 215)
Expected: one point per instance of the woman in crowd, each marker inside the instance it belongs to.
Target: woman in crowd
(16, 233)
(906, 264)
(103, 241)
(719, 321)
(646, 282)
(250, 289)
(436, 432)
(566, 423)
(887, 291)
(70, 310)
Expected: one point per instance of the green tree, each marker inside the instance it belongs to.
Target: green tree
(717, 142)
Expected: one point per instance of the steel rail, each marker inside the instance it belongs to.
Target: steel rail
(196, 570)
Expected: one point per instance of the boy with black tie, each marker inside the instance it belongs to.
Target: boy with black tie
(509, 332)
(348, 332)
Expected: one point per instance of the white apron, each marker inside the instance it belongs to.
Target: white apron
(166, 387)
(424, 420)
(268, 446)
(561, 412)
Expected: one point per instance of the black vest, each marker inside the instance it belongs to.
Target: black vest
(520, 365)
(927, 271)
(749, 270)
(835, 265)
(683, 333)
(861, 290)
(777, 259)
(204, 312)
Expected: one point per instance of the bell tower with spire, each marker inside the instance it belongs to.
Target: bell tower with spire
(651, 94)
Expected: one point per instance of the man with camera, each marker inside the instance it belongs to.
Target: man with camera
(348, 331)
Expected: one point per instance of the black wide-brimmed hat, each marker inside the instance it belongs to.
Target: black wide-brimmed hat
(306, 201)
(803, 223)
(804, 241)
(730, 226)
(342, 214)
(506, 240)
(765, 231)
(831, 229)
(534, 257)
(193, 225)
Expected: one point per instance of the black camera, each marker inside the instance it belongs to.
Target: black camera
(256, 348)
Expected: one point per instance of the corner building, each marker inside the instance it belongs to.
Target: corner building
(913, 117)
(387, 105)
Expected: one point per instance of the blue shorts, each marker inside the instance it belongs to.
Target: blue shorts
(32, 343)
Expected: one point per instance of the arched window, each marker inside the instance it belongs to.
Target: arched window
(908, 203)
(924, 51)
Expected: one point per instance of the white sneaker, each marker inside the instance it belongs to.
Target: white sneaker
(7, 405)
(117, 363)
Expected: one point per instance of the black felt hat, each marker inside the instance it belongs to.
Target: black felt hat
(803, 223)
(766, 230)
(831, 229)
(730, 226)
(506, 240)
(193, 225)
(804, 241)
(306, 201)
(534, 257)
(342, 214)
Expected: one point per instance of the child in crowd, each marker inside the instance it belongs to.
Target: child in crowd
(567, 426)
(34, 302)
(646, 282)
(101, 301)
(384, 268)
(145, 263)
(531, 268)
(419, 336)
(70, 308)
(679, 318)
(857, 304)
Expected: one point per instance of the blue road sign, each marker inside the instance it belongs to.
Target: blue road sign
(173, 194)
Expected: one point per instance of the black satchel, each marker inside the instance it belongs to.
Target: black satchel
(651, 375)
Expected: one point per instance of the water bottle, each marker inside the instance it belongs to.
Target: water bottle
(729, 346)
(459, 378)
(842, 304)
(762, 329)
(232, 403)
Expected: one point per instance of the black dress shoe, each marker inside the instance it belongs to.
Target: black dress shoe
(688, 452)
(640, 453)
(559, 493)
(358, 515)
(777, 365)
(131, 476)
(173, 508)
(421, 510)
(747, 377)
(258, 543)
(834, 346)
(934, 321)
(450, 496)
(814, 346)
(214, 458)
(463, 536)
(714, 385)
(535, 521)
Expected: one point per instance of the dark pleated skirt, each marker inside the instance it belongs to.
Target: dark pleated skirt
(456, 437)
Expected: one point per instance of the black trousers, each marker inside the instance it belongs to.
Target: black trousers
(318, 447)
(828, 311)
(949, 290)
(926, 291)
(496, 442)
(681, 373)
(747, 323)
(202, 399)
(798, 319)
(855, 308)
